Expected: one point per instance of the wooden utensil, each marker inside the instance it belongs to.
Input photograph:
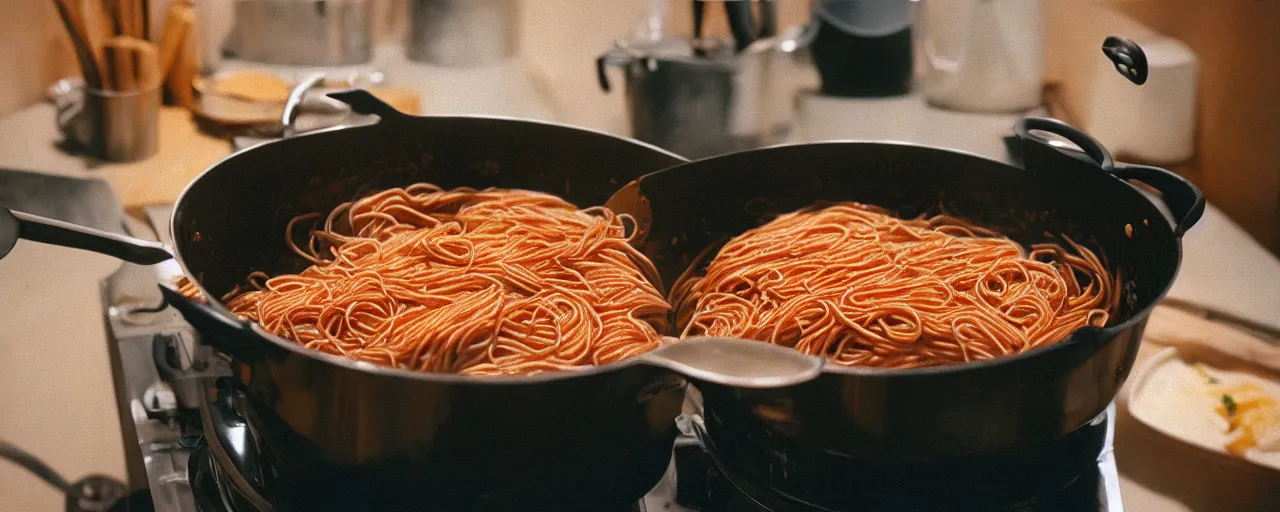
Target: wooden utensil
(73, 20)
(177, 25)
(129, 17)
(101, 25)
(118, 62)
(132, 63)
(183, 72)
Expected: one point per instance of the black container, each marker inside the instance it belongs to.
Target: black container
(815, 441)
(331, 433)
(863, 47)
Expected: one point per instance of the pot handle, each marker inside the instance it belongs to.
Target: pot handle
(735, 362)
(616, 57)
(1092, 148)
(15, 225)
(364, 102)
(1185, 200)
(221, 329)
(292, 104)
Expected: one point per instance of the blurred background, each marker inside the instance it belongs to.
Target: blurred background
(555, 41)
(179, 84)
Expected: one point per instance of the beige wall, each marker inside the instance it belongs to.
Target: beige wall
(34, 51)
(1238, 42)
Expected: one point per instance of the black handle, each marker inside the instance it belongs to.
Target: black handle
(65, 234)
(1092, 148)
(221, 329)
(1185, 201)
(602, 70)
(363, 102)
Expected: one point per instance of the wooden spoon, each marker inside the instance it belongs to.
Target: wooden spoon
(177, 25)
(132, 63)
(73, 20)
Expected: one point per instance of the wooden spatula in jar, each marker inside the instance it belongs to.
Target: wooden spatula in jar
(132, 63)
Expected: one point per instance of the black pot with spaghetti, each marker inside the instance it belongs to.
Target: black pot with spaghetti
(974, 314)
(455, 333)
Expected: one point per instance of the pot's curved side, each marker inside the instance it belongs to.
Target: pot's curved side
(334, 431)
(815, 441)
(337, 438)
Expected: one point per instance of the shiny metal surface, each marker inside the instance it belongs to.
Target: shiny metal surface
(735, 362)
(116, 126)
(303, 32)
(160, 372)
(720, 103)
(462, 32)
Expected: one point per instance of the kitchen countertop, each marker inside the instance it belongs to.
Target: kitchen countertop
(48, 355)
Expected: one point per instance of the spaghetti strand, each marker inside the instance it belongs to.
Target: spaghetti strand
(463, 281)
(860, 287)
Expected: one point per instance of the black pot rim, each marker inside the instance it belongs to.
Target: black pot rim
(541, 378)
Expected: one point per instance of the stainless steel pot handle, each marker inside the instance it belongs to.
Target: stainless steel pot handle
(292, 104)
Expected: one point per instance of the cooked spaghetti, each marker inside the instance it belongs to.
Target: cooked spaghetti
(861, 287)
(463, 281)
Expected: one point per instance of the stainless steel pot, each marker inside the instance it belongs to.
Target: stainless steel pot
(338, 434)
(701, 106)
(462, 32)
(303, 32)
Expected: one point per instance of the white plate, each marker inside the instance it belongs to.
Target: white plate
(1170, 396)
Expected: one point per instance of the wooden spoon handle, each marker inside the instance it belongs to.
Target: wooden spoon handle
(177, 26)
(133, 63)
(73, 20)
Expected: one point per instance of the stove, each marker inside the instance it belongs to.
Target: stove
(192, 453)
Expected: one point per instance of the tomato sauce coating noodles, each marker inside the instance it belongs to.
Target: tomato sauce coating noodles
(861, 287)
(463, 281)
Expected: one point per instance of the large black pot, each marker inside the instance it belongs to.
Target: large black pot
(318, 432)
(878, 437)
